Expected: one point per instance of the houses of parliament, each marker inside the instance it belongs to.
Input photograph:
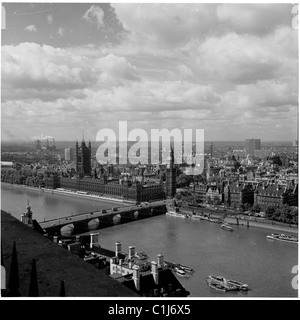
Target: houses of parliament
(126, 187)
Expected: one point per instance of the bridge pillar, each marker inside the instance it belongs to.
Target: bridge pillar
(136, 214)
(116, 219)
(93, 224)
(67, 230)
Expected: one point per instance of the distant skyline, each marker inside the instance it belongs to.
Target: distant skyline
(230, 69)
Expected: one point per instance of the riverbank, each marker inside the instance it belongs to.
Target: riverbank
(68, 193)
(85, 196)
(247, 221)
(259, 224)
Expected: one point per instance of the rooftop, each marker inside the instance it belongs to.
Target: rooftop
(53, 264)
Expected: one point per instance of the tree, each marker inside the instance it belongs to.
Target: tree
(178, 196)
(217, 202)
(256, 208)
(199, 178)
(247, 206)
(183, 180)
(192, 200)
(270, 213)
(294, 215)
(241, 207)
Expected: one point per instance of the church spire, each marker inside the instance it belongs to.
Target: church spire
(83, 142)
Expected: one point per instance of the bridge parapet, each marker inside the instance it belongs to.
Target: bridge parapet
(98, 219)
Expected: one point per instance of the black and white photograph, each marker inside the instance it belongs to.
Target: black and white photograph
(149, 152)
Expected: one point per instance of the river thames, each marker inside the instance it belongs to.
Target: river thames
(244, 254)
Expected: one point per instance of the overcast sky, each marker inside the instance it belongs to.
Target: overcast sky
(230, 69)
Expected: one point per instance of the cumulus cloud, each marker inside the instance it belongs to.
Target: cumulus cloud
(29, 67)
(246, 58)
(233, 66)
(175, 24)
(94, 15)
(33, 65)
(116, 67)
(254, 18)
(31, 28)
(165, 24)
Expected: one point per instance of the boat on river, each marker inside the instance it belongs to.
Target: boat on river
(174, 212)
(227, 227)
(174, 266)
(198, 216)
(222, 284)
(282, 237)
(238, 284)
(186, 268)
(217, 286)
(180, 272)
(215, 220)
(141, 255)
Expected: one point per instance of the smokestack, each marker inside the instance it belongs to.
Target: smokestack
(118, 248)
(131, 252)
(160, 260)
(136, 277)
(154, 271)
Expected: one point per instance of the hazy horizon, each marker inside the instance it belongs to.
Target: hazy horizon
(94, 141)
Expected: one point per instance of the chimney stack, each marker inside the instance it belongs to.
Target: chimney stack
(93, 239)
(118, 248)
(136, 277)
(160, 260)
(131, 252)
(154, 271)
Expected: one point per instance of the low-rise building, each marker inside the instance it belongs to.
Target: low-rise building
(274, 195)
(237, 193)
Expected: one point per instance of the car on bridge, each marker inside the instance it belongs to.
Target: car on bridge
(115, 209)
(104, 211)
